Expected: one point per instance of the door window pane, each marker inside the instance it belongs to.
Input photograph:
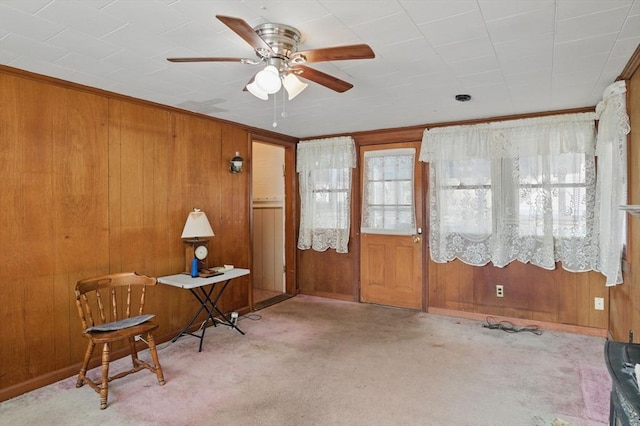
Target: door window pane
(388, 201)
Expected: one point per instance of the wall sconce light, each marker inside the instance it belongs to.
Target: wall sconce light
(235, 165)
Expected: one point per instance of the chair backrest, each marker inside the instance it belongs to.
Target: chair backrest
(111, 297)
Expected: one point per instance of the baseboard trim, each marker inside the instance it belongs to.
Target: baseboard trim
(578, 329)
(72, 370)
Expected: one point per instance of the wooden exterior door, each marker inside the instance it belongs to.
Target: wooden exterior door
(391, 260)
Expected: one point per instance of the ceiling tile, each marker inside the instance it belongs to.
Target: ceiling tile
(152, 16)
(200, 38)
(540, 45)
(314, 34)
(29, 6)
(590, 63)
(487, 78)
(631, 28)
(571, 9)
(587, 26)
(74, 41)
(477, 65)
(541, 77)
(26, 24)
(79, 16)
(84, 64)
(132, 62)
(586, 46)
(434, 10)
(281, 11)
(525, 26)
(30, 48)
(499, 9)
(44, 67)
(454, 29)
(455, 52)
(349, 15)
(525, 64)
(387, 31)
(145, 44)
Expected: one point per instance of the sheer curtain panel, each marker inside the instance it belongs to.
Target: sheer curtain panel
(514, 190)
(611, 192)
(324, 168)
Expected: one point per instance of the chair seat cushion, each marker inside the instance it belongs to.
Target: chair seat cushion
(120, 324)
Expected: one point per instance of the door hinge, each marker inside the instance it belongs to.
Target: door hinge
(284, 269)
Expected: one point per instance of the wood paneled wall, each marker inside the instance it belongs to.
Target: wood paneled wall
(268, 248)
(625, 298)
(94, 183)
(531, 293)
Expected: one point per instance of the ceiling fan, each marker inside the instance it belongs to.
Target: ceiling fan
(276, 45)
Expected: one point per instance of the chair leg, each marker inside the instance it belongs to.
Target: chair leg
(104, 387)
(85, 364)
(154, 357)
(134, 352)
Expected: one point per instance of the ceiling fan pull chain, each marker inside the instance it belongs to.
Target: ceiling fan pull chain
(275, 109)
(283, 114)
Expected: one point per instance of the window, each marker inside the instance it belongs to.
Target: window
(387, 205)
(520, 190)
(329, 191)
(324, 167)
(466, 187)
(568, 192)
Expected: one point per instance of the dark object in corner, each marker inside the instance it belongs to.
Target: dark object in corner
(621, 359)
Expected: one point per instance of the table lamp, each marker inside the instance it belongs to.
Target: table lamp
(195, 236)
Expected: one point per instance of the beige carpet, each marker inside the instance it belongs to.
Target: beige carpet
(314, 361)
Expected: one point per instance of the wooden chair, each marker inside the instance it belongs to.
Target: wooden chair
(107, 318)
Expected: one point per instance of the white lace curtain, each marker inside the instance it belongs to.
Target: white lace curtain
(514, 190)
(611, 192)
(324, 167)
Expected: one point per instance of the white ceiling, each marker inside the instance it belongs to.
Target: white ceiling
(511, 56)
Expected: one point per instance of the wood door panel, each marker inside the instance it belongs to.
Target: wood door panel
(392, 273)
(404, 273)
(391, 265)
(376, 264)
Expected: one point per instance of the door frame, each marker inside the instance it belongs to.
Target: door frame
(390, 138)
(290, 208)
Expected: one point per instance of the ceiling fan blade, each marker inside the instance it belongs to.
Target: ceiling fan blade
(244, 30)
(249, 82)
(339, 53)
(206, 59)
(319, 77)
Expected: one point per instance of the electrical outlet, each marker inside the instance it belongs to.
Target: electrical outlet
(598, 303)
(499, 290)
(138, 337)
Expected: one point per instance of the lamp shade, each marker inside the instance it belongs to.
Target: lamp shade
(293, 85)
(256, 91)
(268, 80)
(197, 225)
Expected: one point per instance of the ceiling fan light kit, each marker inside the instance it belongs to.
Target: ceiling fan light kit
(277, 46)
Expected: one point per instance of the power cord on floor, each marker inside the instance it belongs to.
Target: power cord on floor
(252, 317)
(510, 327)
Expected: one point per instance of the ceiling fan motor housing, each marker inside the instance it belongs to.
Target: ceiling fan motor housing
(283, 39)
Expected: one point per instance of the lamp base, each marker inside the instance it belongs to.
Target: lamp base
(190, 246)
